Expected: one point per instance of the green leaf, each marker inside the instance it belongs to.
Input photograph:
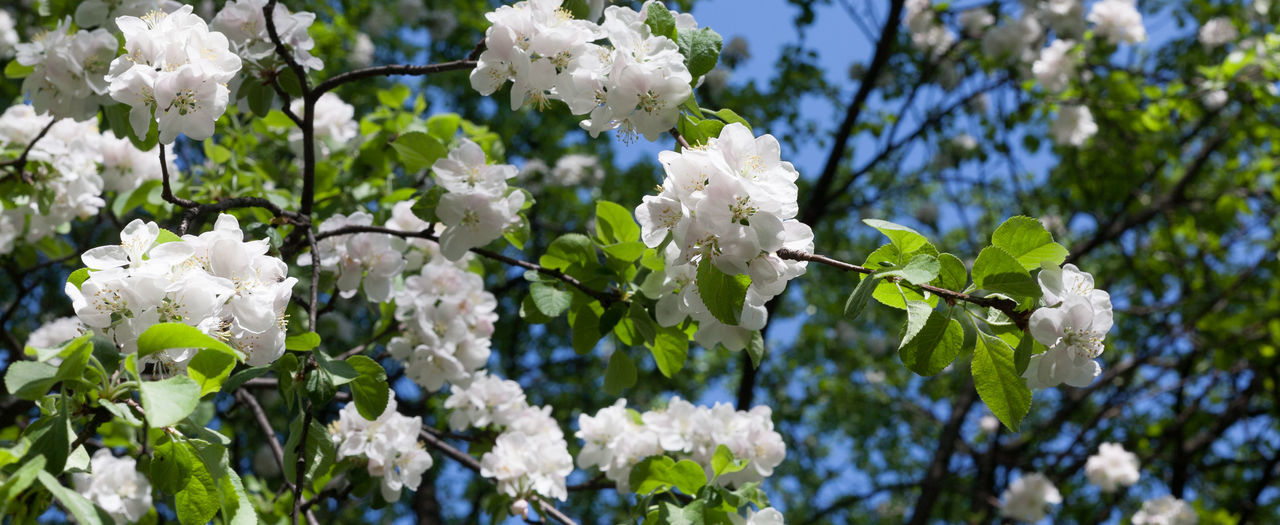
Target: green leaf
(239, 378)
(723, 294)
(259, 96)
(905, 239)
(660, 473)
(51, 439)
(197, 502)
(444, 126)
(164, 336)
(291, 85)
(30, 380)
(20, 479)
(580, 9)
(425, 207)
(171, 467)
(996, 271)
(418, 150)
(15, 70)
(237, 508)
(660, 21)
(729, 116)
(630, 251)
(614, 223)
(340, 372)
(78, 277)
(586, 328)
(755, 348)
(78, 506)
(1029, 242)
(997, 381)
(567, 250)
(395, 96)
(670, 348)
(722, 462)
(370, 391)
(549, 298)
(932, 341)
(921, 269)
(209, 369)
(304, 342)
(1022, 354)
(319, 451)
(701, 50)
(169, 401)
(620, 374)
(952, 274)
(860, 296)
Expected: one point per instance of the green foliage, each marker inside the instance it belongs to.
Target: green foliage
(169, 401)
(723, 294)
(997, 381)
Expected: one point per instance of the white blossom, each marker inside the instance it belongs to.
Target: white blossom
(733, 202)
(362, 51)
(8, 34)
(1218, 31)
(227, 288)
(361, 258)
(1066, 17)
(1056, 65)
(174, 71)
(67, 79)
(334, 124)
(448, 318)
(56, 332)
(1166, 510)
(1117, 21)
(389, 444)
(975, 21)
(115, 485)
(94, 13)
(1016, 40)
(486, 400)
(125, 167)
(989, 424)
(1028, 498)
(765, 516)
(1112, 467)
(614, 441)
(245, 24)
(477, 206)
(927, 33)
(574, 169)
(1073, 126)
(1216, 98)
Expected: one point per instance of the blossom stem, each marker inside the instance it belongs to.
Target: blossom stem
(19, 164)
(1006, 306)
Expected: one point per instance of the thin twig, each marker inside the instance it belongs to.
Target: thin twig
(390, 70)
(606, 298)
(1006, 306)
(167, 188)
(20, 163)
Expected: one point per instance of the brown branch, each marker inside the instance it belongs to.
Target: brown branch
(19, 164)
(167, 189)
(1005, 306)
(265, 424)
(390, 70)
(605, 298)
(884, 48)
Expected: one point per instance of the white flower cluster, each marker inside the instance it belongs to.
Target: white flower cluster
(1166, 510)
(614, 441)
(244, 22)
(1117, 21)
(63, 168)
(125, 167)
(1056, 65)
(175, 71)
(1028, 498)
(735, 202)
(766, 516)
(1072, 323)
(447, 317)
(1112, 467)
(1074, 125)
(334, 124)
(68, 77)
(634, 83)
(115, 486)
(530, 455)
(8, 34)
(1218, 31)
(226, 287)
(389, 444)
(477, 206)
(56, 332)
(357, 258)
(927, 33)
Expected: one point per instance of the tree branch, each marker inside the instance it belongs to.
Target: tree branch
(389, 70)
(19, 164)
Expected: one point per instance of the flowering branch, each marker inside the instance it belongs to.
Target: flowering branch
(390, 70)
(19, 164)
(472, 464)
(605, 298)
(1005, 306)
